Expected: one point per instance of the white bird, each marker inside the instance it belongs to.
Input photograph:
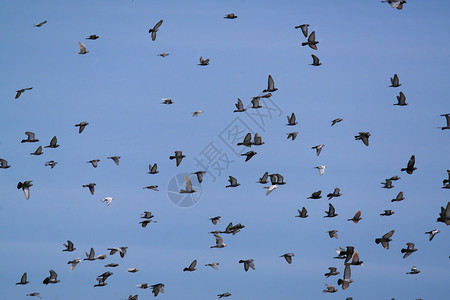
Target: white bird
(270, 188)
(74, 263)
(108, 200)
(321, 169)
(197, 113)
(82, 48)
(132, 270)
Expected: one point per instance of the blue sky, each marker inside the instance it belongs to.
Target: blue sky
(117, 88)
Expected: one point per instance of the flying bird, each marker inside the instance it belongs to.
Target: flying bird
(447, 119)
(223, 295)
(333, 234)
(51, 163)
(333, 272)
(38, 151)
(399, 197)
(93, 162)
(25, 186)
(34, 295)
(414, 270)
(115, 159)
(219, 242)
(321, 169)
(91, 187)
(188, 186)
(394, 81)
(247, 140)
(108, 200)
(215, 220)
(147, 215)
(311, 41)
(155, 29)
(214, 265)
(408, 250)
(178, 156)
(248, 263)
(249, 155)
(143, 286)
(335, 121)
(82, 48)
(255, 102)
(304, 28)
(132, 270)
(331, 213)
(156, 288)
(166, 101)
(347, 280)
(73, 263)
(146, 222)
(263, 179)
(52, 278)
(111, 265)
(53, 143)
(152, 187)
(315, 195)
(92, 37)
(23, 280)
(291, 120)
(410, 166)
(4, 164)
(432, 233)
(40, 24)
(356, 218)
(153, 169)
(270, 189)
(203, 62)
(163, 54)
(200, 175)
(302, 213)
(19, 92)
(277, 179)
(398, 4)
(69, 246)
(318, 148)
(316, 61)
(30, 138)
(91, 255)
(385, 239)
(197, 113)
(387, 212)
(240, 106)
(401, 100)
(336, 193)
(330, 289)
(191, 267)
(270, 85)
(364, 137)
(82, 125)
(387, 184)
(233, 182)
(292, 135)
(444, 215)
(122, 251)
(288, 257)
(230, 16)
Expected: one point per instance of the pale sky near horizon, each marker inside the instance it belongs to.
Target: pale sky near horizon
(117, 87)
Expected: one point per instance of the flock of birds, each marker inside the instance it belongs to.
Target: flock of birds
(348, 255)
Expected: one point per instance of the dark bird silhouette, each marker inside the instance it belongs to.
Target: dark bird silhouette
(230, 16)
(387, 184)
(191, 267)
(30, 138)
(155, 29)
(200, 175)
(146, 222)
(255, 103)
(408, 250)
(333, 234)
(444, 215)
(52, 278)
(40, 24)
(401, 100)
(91, 187)
(215, 220)
(53, 143)
(292, 135)
(203, 62)
(93, 162)
(447, 119)
(385, 239)
(333, 272)
(335, 121)
(38, 151)
(356, 218)
(302, 213)
(233, 182)
(247, 263)
(292, 120)
(304, 28)
(23, 280)
(257, 140)
(311, 41)
(19, 92)
(315, 195)
(157, 288)
(387, 212)
(277, 179)
(331, 213)
(288, 257)
(398, 198)
(25, 186)
(318, 149)
(153, 169)
(395, 81)
(51, 163)
(69, 246)
(247, 140)
(364, 137)
(81, 126)
(163, 54)
(414, 270)
(410, 167)
(336, 193)
(4, 164)
(92, 37)
(270, 85)
(249, 155)
(223, 295)
(178, 156)
(115, 159)
(240, 106)
(316, 61)
(263, 179)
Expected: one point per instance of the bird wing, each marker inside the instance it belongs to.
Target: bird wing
(388, 235)
(53, 141)
(312, 37)
(315, 59)
(30, 135)
(26, 191)
(293, 118)
(53, 274)
(188, 183)
(347, 272)
(248, 138)
(157, 25)
(331, 209)
(219, 239)
(270, 83)
(304, 29)
(239, 105)
(251, 264)
(153, 35)
(355, 257)
(357, 215)
(288, 258)
(193, 264)
(232, 180)
(82, 47)
(23, 279)
(411, 162)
